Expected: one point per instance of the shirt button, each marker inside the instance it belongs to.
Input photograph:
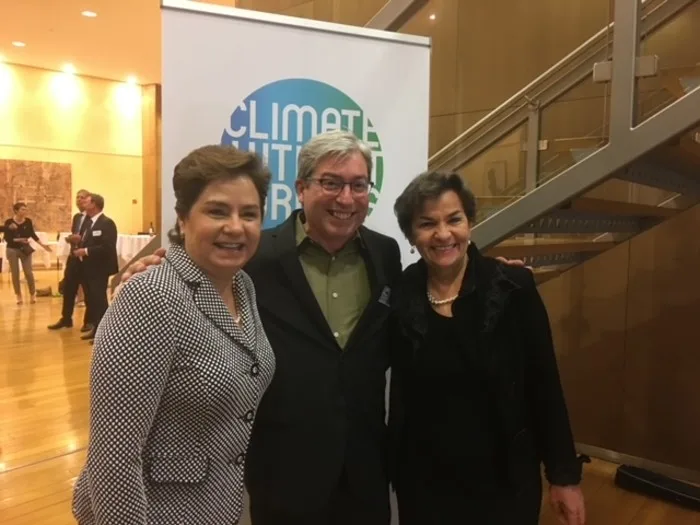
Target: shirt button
(336, 335)
(250, 415)
(255, 369)
(335, 295)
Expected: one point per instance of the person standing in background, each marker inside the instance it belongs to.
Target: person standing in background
(97, 256)
(18, 230)
(71, 274)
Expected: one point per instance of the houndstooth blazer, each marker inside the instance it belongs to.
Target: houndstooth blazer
(174, 387)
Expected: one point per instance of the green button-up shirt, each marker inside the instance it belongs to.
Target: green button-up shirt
(339, 281)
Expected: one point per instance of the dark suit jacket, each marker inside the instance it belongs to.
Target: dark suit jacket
(75, 224)
(101, 242)
(503, 318)
(75, 229)
(325, 408)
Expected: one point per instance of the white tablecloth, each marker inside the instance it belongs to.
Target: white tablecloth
(127, 247)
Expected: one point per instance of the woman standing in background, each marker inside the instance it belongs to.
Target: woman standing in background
(18, 230)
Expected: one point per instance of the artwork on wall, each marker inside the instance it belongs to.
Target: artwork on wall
(44, 186)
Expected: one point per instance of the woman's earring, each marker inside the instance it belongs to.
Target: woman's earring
(413, 249)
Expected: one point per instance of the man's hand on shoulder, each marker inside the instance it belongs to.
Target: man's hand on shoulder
(513, 262)
(143, 263)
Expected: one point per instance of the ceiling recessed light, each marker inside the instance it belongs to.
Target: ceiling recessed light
(131, 79)
(89, 14)
(432, 17)
(69, 68)
(17, 43)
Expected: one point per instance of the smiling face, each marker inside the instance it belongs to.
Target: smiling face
(333, 216)
(222, 229)
(441, 231)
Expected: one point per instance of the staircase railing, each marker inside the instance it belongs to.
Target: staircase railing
(523, 106)
(632, 124)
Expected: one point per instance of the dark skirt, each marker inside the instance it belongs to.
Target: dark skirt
(424, 501)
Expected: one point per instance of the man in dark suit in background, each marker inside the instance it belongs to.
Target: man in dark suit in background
(97, 256)
(71, 273)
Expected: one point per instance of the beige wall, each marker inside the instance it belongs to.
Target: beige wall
(94, 125)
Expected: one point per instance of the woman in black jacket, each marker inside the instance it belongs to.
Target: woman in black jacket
(476, 401)
(18, 230)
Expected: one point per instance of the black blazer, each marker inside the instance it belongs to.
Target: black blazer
(504, 319)
(325, 407)
(75, 223)
(101, 242)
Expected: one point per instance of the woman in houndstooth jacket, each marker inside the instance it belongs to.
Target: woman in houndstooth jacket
(181, 361)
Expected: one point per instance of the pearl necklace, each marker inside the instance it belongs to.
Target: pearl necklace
(439, 302)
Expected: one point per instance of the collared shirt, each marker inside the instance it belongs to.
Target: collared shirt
(339, 281)
(95, 217)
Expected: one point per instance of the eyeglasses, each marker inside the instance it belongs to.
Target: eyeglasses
(335, 186)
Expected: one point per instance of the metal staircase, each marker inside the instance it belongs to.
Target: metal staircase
(579, 194)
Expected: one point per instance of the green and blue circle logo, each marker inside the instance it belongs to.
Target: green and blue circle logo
(277, 119)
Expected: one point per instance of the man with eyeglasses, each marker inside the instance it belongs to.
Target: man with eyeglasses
(323, 284)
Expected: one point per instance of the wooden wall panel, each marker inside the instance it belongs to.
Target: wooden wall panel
(592, 373)
(662, 385)
(305, 10)
(357, 12)
(151, 139)
(624, 326)
(443, 32)
(497, 54)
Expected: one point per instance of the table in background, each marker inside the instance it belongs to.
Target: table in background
(127, 247)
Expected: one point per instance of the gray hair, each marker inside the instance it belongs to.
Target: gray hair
(332, 144)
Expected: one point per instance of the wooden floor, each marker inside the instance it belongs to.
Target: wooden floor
(43, 429)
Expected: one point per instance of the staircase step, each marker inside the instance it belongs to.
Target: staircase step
(549, 252)
(619, 208)
(590, 215)
(545, 274)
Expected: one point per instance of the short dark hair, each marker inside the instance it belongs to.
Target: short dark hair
(212, 163)
(427, 186)
(98, 199)
(18, 206)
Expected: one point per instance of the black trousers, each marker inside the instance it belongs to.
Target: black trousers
(72, 278)
(95, 296)
(344, 508)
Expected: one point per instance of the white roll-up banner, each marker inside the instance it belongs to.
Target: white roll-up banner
(268, 83)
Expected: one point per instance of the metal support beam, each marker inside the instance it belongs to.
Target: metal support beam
(395, 13)
(661, 177)
(624, 65)
(669, 122)
(533, 147)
